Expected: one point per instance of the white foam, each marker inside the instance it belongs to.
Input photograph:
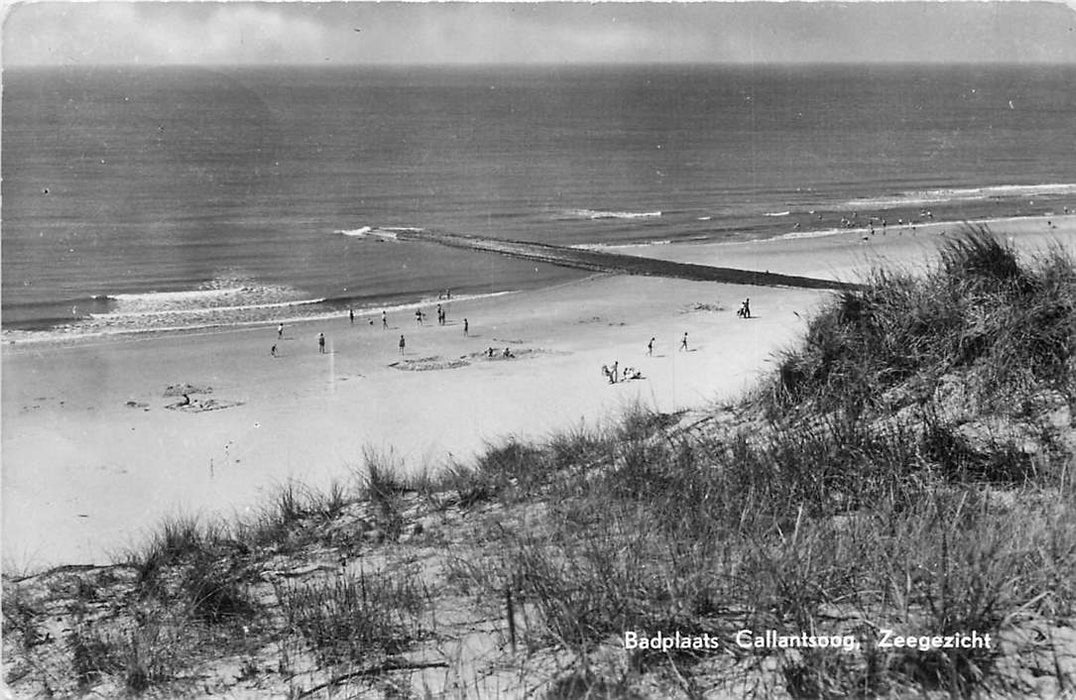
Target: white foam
(619, 246)
(820, 233)
(941, 196)
(604, 214)
(111, 325)
(777, 213)
(383, 232)
(222, 293)
(196, 311)
(926, 226)
(357, 232)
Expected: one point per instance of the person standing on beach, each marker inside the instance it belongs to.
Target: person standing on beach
(321, 343)
(384, 321)
(403, 344)
(280, 331)
(272, 351)
(466, 327)
(650, 348)
(351, 315)
(683, 342)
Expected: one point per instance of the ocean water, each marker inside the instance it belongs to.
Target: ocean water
(144, 199)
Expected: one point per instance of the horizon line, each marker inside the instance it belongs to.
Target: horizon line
(549, 64)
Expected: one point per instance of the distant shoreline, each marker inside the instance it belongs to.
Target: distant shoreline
(678, 251)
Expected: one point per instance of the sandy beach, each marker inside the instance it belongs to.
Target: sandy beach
(93, 456)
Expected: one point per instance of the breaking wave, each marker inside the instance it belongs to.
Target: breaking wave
(595, 214)
(964, 194)
(381, 232)
(220, 304)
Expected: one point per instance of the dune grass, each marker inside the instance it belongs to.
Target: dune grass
(838, 512)
(358, 619)
(1010, 327)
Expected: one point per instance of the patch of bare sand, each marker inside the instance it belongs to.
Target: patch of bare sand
(425, 364)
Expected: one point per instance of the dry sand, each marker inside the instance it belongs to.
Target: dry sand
(93, 456)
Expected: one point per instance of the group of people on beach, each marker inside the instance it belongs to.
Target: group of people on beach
(854, 221)
(612, 372)
(442, 319)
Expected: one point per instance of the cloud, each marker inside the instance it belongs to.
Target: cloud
(154, 33)
(535, 32)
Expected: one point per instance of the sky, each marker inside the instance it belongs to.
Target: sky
(245, 33)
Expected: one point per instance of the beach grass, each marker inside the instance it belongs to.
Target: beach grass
(357, 619)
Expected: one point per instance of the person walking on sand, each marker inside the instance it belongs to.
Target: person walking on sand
(403, 344)
(384, 321)
(321, 343)
(280, 331)
(351, 315)
(650, 348)
(466, 327)
(683, 342)
(272, 350)
(747, 307)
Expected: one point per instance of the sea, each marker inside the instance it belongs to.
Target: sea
(141, 200)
